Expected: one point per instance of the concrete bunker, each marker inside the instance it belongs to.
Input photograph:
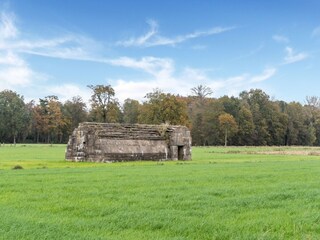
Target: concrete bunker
(114, 142)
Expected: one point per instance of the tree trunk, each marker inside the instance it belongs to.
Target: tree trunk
(226, 138)
(14, 140)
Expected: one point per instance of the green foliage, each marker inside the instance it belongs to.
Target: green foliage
(246, 126)
(223, 193)
(228, 125)
(210, 111)
(75, 111)
(104, 106)
(14, 116)
(261, 121)
(131, 111)
(49, 120)
(163, 108)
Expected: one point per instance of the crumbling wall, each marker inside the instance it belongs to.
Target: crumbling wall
(107, 142)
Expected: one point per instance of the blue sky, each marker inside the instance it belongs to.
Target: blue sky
(59, 47)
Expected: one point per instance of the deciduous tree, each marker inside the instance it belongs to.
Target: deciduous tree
(201, 91)
(163, 108)
(131, 110)
(14, 115)
(75, 112)
(228, 125)
(104, 105)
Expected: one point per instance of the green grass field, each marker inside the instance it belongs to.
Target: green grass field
(223, 193)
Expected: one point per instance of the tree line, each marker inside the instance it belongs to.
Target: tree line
(251, 119)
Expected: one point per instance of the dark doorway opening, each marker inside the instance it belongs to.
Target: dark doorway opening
(180, 153)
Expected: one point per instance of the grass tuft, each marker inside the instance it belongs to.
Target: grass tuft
(17, 167)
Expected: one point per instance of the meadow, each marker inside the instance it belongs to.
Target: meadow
(223, 193)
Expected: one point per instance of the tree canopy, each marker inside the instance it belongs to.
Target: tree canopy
(252, 118)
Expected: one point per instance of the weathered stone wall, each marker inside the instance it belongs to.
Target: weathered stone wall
(107, 142)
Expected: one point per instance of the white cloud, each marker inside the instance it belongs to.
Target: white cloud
(188, 78)
(134, 89)
(14, 71)
(16, 76)
(152, 38)
(180, 83)
(67, 91)
(280, 39)
(292, 57)
(138, 89)
(234, 85)
(9, 58)
(195, 75)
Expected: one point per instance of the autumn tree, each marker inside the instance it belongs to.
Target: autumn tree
(104, 105)
(163, 108)
(40, 120)
(228, 125)
(57, 120)
(49, 121)
(14, 115)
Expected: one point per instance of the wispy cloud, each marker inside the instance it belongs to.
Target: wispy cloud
(7, 26)
(153, 38)
(266, 74)
(158, 67)
(69, 46)
(316, 32)
(142, 40)
(280, 39)
(292, 57)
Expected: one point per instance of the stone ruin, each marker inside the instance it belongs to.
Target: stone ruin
(114, 142)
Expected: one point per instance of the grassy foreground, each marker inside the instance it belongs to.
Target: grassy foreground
(223, 193)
